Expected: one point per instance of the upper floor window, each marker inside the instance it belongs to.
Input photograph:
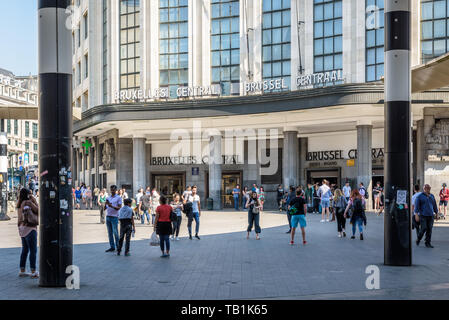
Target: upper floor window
(327, 34)
(276, 40)
(173, 45)
(374, 40)
(27, 129)
(225, 44)
(129, 44)
(35, 132)
(434, 29)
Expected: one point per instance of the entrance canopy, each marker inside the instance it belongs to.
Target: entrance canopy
(432, 75)
(27, 112)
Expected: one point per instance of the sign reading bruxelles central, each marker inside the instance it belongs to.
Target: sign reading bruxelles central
(302, 82)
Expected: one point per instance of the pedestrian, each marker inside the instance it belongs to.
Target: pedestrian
(253, 205)
(284, 201)
(145, 207)
(291, 196)
(78, 197)
(89, 199)
(297, 208)
(425, 208)
(309, 196)
(324, 192)
(444, 198)
(236, 196)
(177, 209)
(125, 194)
(261, 198)
(84, 195)
(127, 227)
(27, 206)
(279, 195)
(96, 193)
(139, 195)
(186, 194)
(339, 205)
(415, 220)
(358, 217)
(163, 226)
(194, 198)
(102, 204)
(331, 202)
(113, 205)
(154, 203)
(316, 198)
(347, 191)
(363, 192)
(377, 193)
(245, 197)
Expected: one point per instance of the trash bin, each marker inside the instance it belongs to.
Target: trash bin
(210, 204)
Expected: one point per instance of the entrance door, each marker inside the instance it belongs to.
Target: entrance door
(168, 185)
(331, 175)
(228, 182)
(378, 176)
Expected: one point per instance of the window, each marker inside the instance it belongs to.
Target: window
(276, 40)
(434, 29)
(374, 40)
(35, 157)
(105, 51)
(35, 132)
(79, 73)
(8, 126)
(35, 147)
(173, 45)
(129, 44)
(86, 66)
(86, 26)
(27, 146)
(225, 43)
(9, 142)
(327, 35)
(17, 143)
(78, 36)
(27, 129)
(16, 127)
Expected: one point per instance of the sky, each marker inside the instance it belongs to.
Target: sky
(18, 36)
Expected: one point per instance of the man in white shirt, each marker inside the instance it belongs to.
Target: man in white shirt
(194, 198)
(325, 194)
(347, 191)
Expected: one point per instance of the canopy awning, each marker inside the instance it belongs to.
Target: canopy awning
(27, 112)
(432, 75)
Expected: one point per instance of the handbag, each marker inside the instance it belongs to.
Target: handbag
(29, 217)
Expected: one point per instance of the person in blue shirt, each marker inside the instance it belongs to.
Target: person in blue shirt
(425, 208)
(78, 195)
(127, 227)
(236, 195)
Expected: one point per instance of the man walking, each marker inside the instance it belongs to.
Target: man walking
(425, 208)
(113, 205)
(347, 191)
(144, 207)
(194, 198)
(290, 198)
(324, 192)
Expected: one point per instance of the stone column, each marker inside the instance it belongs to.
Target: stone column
(215, 175)
(303, 145)
(364, 158)
(139, 162)
(290, 158)
(420, 153)
(97, 162)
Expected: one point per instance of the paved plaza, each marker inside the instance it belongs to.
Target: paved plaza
(224, 265)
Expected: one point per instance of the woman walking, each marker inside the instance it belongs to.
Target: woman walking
(245, 197)
(377, 193)
(358, 217)
(253, 205)
(339, 205)
(163, 227)
(261, 198)
(27, 214)
(154, 203)
(177, 207)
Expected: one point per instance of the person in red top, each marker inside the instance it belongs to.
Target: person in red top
(163, 226)
(444, 198)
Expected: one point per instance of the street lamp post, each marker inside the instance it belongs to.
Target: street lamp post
(55, 142)
(397, 223)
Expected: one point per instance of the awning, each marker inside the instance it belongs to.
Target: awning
(432, 75)
(27, 112)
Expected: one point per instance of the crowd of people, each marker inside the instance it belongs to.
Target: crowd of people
(116, 208)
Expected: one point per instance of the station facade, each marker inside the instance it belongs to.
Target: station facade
(217, 93)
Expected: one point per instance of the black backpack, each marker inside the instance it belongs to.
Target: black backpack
(357, 207)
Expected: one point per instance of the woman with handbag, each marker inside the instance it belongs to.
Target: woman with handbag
(253, 205)
(28, 220)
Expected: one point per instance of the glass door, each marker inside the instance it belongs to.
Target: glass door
(229, 182)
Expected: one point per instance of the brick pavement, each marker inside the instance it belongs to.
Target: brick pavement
(224, 265)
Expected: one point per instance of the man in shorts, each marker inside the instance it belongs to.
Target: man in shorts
(444, 198)
(324, 192)
(297, 208)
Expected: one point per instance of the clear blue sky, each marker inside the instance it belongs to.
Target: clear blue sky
(18, 36)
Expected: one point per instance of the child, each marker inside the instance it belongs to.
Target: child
(127, 227)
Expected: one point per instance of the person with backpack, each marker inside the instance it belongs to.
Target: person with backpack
(28, 220)
(339, 205)
(363, 193)
(297, 208)
(144, 207)
(358, 217)
(253, 204)
(425, 209)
